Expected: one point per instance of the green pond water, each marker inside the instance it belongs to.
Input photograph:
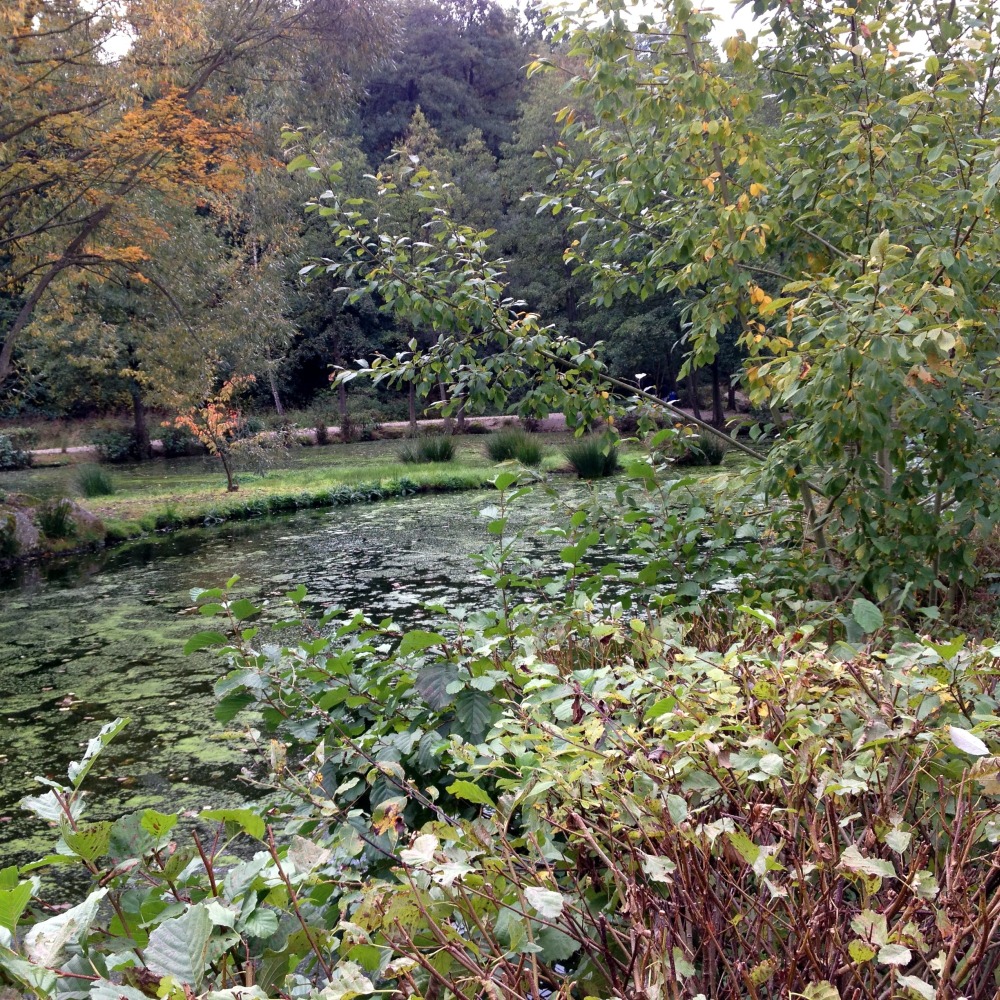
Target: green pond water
(92, 638)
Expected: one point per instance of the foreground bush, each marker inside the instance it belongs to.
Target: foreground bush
(424, 450)
(605, 807)
(514, 444)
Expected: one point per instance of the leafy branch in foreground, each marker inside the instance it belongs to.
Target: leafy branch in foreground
(867, 317)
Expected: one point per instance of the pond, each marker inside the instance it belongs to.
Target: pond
(97, 637)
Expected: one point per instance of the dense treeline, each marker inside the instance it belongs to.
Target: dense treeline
(181, 268)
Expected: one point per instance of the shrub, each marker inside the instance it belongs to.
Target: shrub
(179, 441)
(12, 457)
(116, 445)
(24, 438)
(475, 427)
(55, 518)
(514, 444)
(702, 449)
(367, 424)
(8, 535)
(438, 448)
(593, 458)
(93, 481)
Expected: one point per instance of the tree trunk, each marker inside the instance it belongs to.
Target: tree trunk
(142, 442)
(460, 417)
(692, 381)
(231, 485)
(718, 413)
(413, 407)
(442, 389)
(274, 392)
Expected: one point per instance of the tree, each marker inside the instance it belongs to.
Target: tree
(854, 244)
(871, 208)
(85, 127)
(215, 423)
(461, 63)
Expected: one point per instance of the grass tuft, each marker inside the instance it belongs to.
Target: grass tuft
(593, 458)
(93, 481)
(514, 444)
(428, 449)
(702, 450)
(55, 518)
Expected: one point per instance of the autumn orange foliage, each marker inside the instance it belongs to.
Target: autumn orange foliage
(215, 422)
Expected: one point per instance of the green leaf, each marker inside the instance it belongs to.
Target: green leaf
(348, 981)
(246, 819)
(179, 947)
(861, 951)
(853, 860)
(823, 990)
(13, 903)
(658, 869)
(202, 640)
(474, 711)
(229, 707)
(417, 640)
(89, 841)
(156, 823)
(505, 480)
(299, 163)
(36, 979)
(968, 743)
(471, 793)
(866, 615)
(243, 609)
(918, 986)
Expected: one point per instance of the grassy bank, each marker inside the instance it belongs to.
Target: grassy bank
(162, 495)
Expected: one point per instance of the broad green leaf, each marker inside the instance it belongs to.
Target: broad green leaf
(861, 951)
(89, 841)
(246, 819)
(823, 990)
(894, 954)
(474, 710)
(866, 615)
(13, 903)
(179, 947)
(348, 981)
(471, 793)
(421, 851)
(156, 823)
(202, 640)
(417, 640)
(918, 986)
(853, 860)
(658, 869)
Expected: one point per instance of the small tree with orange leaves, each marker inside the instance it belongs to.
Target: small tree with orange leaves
(215, 423)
